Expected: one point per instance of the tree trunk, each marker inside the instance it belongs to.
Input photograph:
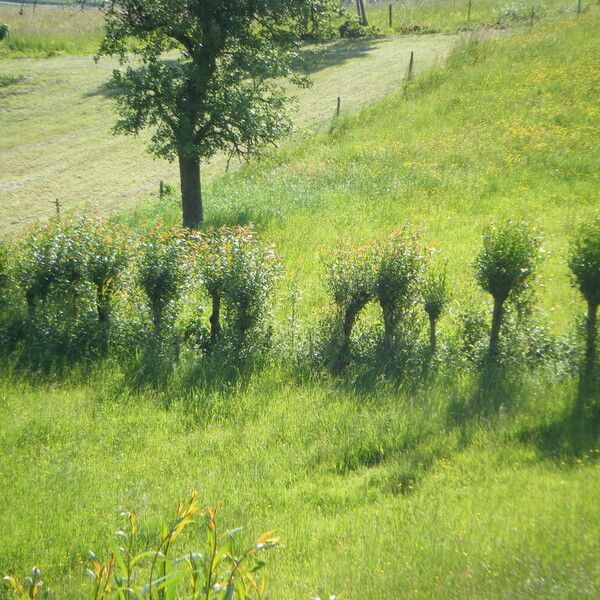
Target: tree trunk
(362, 15)
(215, 317)
(191, 192)
(496, 323)
(592, 332)
(432, 334)
(389, 325)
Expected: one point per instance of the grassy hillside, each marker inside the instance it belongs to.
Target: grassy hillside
(378, 492)
(431, 16)
(56, 118)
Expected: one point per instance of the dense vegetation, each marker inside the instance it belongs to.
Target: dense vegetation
(477, 480)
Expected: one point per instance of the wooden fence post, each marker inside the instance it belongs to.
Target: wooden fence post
(532, 16)
(161, 189)
(578, 7)
(57, 204)
(411, 64)
(469, 11)
(390, 15)
(339, 106)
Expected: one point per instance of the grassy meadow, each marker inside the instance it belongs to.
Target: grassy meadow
(429, 16)
(454, 487)
(46, 31)
(56, 118)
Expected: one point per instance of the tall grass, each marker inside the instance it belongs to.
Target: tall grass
(448, 16)
(46, 31)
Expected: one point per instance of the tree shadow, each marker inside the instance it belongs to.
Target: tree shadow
(576, 431)
(494, 395)
(106, 90)
(314, 59)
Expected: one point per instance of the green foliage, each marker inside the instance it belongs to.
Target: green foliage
(107, 257)
(584, 261)
(3, 31)
(401, 264)
(50, 255)
(223, 571)
(507, 261)
(238, 272)
(435, 292)
(352, 28)
(351, 277)
(220, 94)
(504, 267)
(160, 273)
(317, 19)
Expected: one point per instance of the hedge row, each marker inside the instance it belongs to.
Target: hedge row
(85, 287)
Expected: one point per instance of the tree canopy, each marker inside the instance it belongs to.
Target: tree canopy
(204, 75)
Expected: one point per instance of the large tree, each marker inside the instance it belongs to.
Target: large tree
(201, 74)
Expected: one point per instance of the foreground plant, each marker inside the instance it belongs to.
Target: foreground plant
(584, 262)
(223, 571)
(504, 267)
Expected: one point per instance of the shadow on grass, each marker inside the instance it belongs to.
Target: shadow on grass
(574, 433)
(313, 59)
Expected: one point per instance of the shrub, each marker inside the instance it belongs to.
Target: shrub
(399, 272)
(4, 29)
(584, 262)
(239, 274)
(223, 570)
(160, 272)
(435, 300)
(352, 28)
(50, 271)
(47, 256)
(350, 279)
(504, 267)
(107, 258)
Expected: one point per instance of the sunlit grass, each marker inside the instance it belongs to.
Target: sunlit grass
(428, 16)
(50, 31)
(377, 492)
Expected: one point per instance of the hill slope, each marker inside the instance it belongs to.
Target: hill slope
(377, 493)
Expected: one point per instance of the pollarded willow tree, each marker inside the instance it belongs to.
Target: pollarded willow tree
(201, 74)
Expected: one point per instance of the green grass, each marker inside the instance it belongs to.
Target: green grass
(54, 30)
(450, 16)
(50, 30)
(378, 492)
(56, 124)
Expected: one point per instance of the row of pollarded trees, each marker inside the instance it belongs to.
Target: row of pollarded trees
(395, 274)
(77, 288)
(80, 287)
